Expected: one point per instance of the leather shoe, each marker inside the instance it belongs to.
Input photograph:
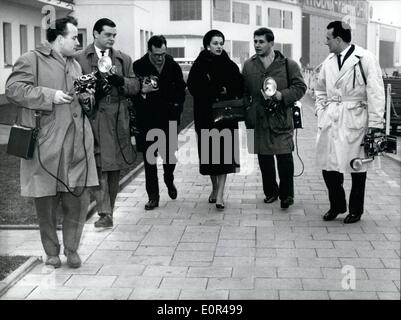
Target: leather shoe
(352, 218)
(331, 215)
(220, 206)
(287, 202)
(105, 221)
(270, 199)
(152, 204)
(53, 261)
(73, 259)
(172, 191)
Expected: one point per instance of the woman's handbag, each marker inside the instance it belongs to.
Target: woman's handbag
(228, 111)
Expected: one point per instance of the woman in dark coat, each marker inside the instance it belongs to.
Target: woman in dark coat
(214, 76)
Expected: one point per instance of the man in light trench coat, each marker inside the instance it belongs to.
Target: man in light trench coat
(349, 103)
(113, 149)
(40, 81)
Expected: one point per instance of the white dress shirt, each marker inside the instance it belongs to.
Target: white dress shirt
(99, 54)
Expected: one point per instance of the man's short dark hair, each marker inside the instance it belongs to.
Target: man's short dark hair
(341, 29)
(269, 35)
(60, 28)
(103, 22)
(157, 42)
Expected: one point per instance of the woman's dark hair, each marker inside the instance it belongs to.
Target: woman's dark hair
(60, 28)
(207, 38)
(269, 35)
(340, 29)
(103, 22)
(157, 42)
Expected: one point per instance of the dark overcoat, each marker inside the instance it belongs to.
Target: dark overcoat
(208, 75)
(161, 106)
(273, 133)
(113, 149)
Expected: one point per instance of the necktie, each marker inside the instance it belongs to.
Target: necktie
(339, 61)
(102, 52)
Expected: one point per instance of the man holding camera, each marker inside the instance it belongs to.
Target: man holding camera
(63, 166)
(110, 123)
(271, 117)
(159, 108)
(350, 103)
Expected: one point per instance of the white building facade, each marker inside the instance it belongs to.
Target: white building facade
(21, 29)
(384, 37)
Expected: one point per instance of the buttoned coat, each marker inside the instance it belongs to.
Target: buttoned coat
(272, 133)
(346, 107)
(161, 106)
(113, 149)
(64, 129)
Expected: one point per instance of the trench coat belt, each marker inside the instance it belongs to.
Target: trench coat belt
(340, 99)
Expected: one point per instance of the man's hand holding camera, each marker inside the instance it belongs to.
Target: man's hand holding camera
(149, 84)
(61, 97)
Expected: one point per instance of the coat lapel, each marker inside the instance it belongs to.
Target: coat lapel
(350, 62)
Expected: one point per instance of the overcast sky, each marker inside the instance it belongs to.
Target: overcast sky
(387, 11)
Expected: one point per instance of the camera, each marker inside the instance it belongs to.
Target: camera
(151, 80)
(374, 144)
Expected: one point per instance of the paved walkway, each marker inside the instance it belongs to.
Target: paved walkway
(186, 249)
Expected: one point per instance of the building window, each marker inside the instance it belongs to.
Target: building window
(258, 15)
(227, 47)
(287, 50)
(23, 38)
(287, 19)
(38, 36)
(142, 39)
(240, 51)
(185, 10)
(178, 52)
(222, 10)
(240, 13)
(274, 18)
(8, 60)
(82, 39)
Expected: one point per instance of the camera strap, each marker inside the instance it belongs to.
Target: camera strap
(296, 131)
(362, 72)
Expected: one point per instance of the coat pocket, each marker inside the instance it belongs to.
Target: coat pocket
(356, 120)
(356, 116)
(47, 125)
(323, 119)
(281, 122)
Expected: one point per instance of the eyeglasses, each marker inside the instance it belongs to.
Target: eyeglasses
(158, 55)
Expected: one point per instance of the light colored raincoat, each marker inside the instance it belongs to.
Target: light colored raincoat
(63, 127)
(346, 107)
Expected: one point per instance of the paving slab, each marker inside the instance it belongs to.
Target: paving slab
(188, 250)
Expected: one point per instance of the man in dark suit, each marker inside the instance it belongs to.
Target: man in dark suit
(159, 108)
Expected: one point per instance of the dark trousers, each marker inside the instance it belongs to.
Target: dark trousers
(105, 194)
(74, 216)
(152, 180)
(334, 181)
(285, 166)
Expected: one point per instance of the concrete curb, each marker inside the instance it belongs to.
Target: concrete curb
(17, 274)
